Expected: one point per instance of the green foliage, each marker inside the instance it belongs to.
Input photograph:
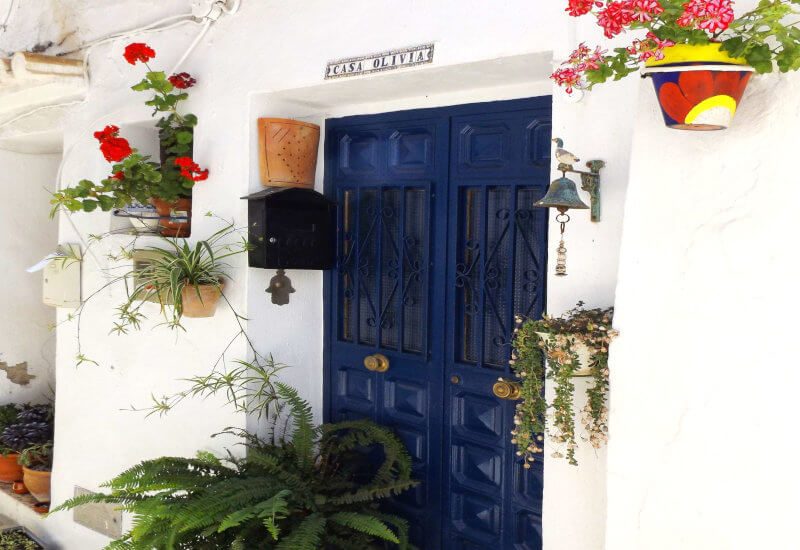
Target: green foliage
(766, 37)
(142, 178)
(8, 416)
(38, 457)
(17, 540)
(556, 339)
(313, 487)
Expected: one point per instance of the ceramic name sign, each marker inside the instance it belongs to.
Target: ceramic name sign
(384, 61)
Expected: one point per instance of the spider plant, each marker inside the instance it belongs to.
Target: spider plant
(176, 272)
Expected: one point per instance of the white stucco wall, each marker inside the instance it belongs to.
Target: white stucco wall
(26, 236)
(699, 456)
(704, 374)
(278, 70)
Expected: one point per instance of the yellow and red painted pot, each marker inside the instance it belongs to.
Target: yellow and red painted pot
(698, 87)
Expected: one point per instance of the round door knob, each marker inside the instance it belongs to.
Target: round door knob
(376, 362)
(507, 390)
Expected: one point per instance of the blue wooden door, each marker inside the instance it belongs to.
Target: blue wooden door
(438, 247)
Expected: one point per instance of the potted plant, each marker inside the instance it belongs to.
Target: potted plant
(19, 538)
(575, 344)
(186, 280)
(699, 54)
(31, 435)
(135, 178)
(10, 470)
(313, 488)
(37, 464)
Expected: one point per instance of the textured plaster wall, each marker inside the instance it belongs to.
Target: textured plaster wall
(704, 375)
(277, 49)
(27, 341)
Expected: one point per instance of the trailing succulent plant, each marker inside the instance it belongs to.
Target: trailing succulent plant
(315, 487)
(33, 427)
(556, 339)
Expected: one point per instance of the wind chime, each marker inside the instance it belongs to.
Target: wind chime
(563, 196)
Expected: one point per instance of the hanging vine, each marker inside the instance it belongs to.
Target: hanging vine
(559, 340)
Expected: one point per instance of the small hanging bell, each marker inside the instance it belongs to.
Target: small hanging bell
(562, 195)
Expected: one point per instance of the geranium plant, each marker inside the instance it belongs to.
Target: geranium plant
(765, 36)
(559, 340)
(135, 177)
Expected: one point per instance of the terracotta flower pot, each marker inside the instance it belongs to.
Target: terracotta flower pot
(10, 470)
(200, 301)
(38, 483)
(698, 87)
(287, 151)
(18, 487)
(175, 218)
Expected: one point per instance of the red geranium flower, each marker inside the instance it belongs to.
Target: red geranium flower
(190, 169)
(182, 80)
(119, 176)
(115, 149)
(107, 132)
(138, 51)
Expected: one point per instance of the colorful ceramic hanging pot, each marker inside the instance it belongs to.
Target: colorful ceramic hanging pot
(698, 87)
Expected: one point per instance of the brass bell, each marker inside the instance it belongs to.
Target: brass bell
(562, 195)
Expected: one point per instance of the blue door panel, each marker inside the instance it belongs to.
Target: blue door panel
(439, 246)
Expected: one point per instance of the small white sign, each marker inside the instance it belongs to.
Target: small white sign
(384, 61)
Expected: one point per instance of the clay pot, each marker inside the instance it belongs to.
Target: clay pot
(174, 218)
(38, 483)
(287, 152)
(204, 305)
(18, 487)
(698, 87)
(10, 470)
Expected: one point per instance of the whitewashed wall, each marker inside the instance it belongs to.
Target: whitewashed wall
(26, 325)
(704, 375)
(700, 452)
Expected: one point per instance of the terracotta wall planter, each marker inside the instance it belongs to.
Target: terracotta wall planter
(698, 87)
(200, 301)
(287, 152)
(38, 483)
(10, 470)
(175, 218)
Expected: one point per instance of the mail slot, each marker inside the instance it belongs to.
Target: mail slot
(291, 228)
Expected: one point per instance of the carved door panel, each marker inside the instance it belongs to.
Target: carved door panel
(500, 163)
(438, 247)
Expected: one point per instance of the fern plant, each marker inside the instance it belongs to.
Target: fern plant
(308, 488)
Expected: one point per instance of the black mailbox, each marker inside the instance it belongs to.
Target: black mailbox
(291, 228)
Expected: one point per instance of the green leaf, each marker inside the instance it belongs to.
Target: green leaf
(184, 138)
(89, 205)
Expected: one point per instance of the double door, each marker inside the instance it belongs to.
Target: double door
(439, 246)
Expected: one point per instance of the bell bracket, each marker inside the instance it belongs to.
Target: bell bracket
(590, 182)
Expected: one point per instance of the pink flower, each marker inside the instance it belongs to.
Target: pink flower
(644, 10)
(568, 77)
(712, 16)
(651, 47)
(615, 17)
(576, 8)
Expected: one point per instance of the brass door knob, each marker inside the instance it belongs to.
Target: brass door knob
(507, 390)
(376, 362)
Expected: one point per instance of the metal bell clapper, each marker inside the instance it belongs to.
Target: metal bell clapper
(562, 195)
